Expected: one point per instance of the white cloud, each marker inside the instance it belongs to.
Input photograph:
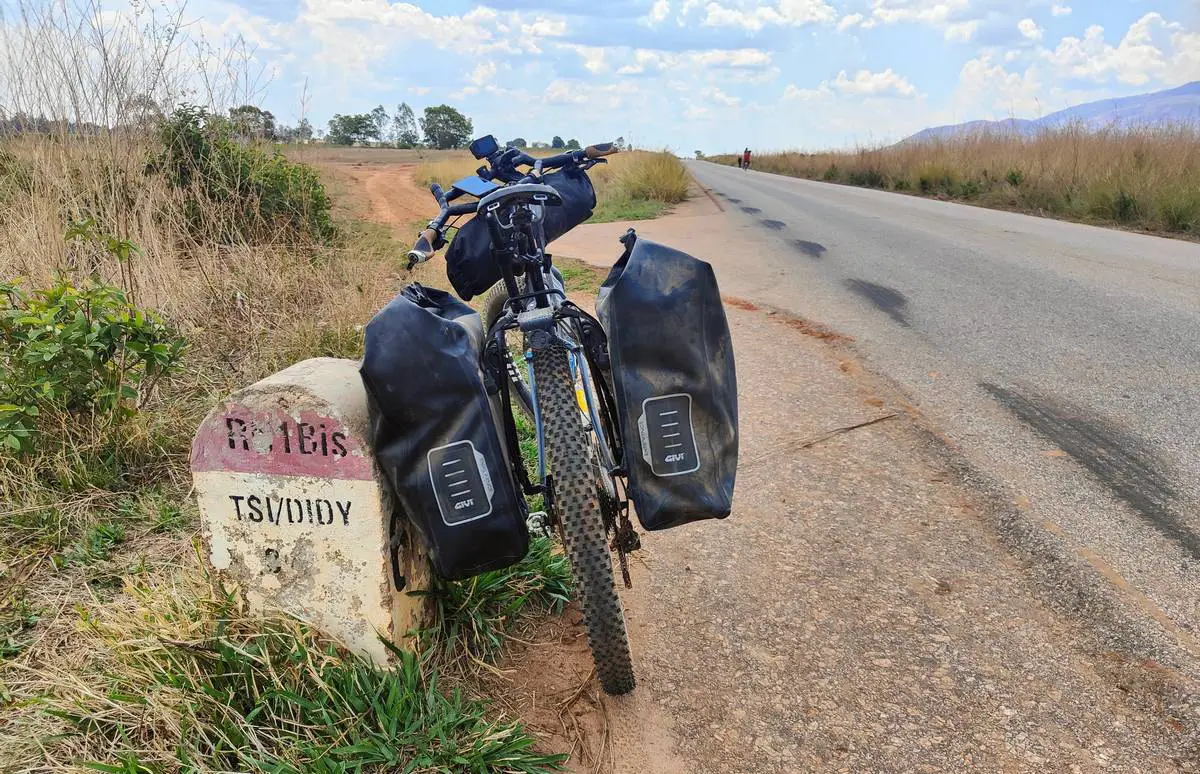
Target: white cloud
(561, 92)
(716, 95)
(483, 73)
(738, 57)
(849, 21)
(793, 92)
(1030, 29)
(962, 32)
(1136, 60)
(659, 11)
(545, 28)
(785, 13)
(354, 34)
(1060, 10)
(1185, 64)
(643, 60)
(595, 58)
(867, 83)
(987, 88)
(863, 83)
(934, 12)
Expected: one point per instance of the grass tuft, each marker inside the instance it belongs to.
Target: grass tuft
(473, 617)
(189, 684)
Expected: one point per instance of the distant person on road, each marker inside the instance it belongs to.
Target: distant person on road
(739, 161)
(746, 159)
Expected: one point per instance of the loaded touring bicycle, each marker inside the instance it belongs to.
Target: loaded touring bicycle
(638, 405)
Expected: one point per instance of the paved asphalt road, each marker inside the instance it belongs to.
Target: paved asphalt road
(1062, 360)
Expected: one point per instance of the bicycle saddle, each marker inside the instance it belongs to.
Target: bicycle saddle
(522, 193)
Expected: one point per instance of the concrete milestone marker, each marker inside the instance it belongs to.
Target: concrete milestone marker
(293, 508)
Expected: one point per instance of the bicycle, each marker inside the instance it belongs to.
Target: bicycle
(562, 386)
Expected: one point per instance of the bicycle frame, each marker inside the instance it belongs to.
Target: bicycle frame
(549, 302)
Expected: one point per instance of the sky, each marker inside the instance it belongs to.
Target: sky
(708, 74)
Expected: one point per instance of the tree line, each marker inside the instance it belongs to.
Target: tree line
(440, 126)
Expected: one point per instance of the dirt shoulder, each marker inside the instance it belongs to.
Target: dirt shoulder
(857, 612)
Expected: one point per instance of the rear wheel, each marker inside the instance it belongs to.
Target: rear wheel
(577, 505)
(493, 310)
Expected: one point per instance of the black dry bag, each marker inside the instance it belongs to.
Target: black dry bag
(676, 390)
(437, 433)
(470, 266)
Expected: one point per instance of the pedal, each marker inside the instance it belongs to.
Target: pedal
(538, 524)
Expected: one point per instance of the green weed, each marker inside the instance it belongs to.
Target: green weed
(16, 627)
(473, 616)
(258, 695)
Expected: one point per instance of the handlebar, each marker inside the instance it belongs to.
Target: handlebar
(598, 151)
(430, 240)
(423, 249)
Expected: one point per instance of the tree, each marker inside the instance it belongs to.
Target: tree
(620, 143)
(348, 130)
(304, 131)
(142, 111)
(699, 154)
(379, 117)
(519, 142)
(250, 122)
(557, 142)
(572, 144)
(404, 127)
(446, 128)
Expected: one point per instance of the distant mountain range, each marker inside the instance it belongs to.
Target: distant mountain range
(1176, 106)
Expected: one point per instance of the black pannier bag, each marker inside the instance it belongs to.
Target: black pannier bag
(675, 385)
(469, 263)
(437, 433)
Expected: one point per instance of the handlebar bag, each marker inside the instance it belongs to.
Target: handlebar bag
(438, 435)
(675, 384)
(579, 199)
(470, 266)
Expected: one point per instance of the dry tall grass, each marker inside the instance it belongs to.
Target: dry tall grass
(1147, 179)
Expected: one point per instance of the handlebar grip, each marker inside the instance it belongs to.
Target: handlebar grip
(422, 250)
(438, 194)
(600, 150)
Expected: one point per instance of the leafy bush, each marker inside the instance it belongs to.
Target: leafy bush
(236, 192)
(78, 350)
(868, 178)
(934, 179)
(1114, 204)
(1015, 177)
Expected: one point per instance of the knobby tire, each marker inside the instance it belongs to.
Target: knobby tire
(577, 505)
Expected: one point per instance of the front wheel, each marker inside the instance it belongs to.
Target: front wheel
(577, 506)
